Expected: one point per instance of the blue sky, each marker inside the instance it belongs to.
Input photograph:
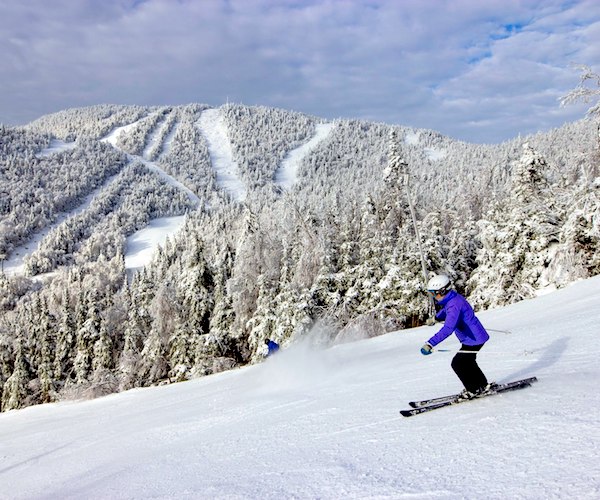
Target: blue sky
(477, 70)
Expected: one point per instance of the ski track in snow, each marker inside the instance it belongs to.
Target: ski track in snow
(324, 424)
(143, 243)
(169, 139)
(153, 141)
(15, 264)
(112, 137)
(212, 127)
(140, 247)
(287, 173)
(169, 179)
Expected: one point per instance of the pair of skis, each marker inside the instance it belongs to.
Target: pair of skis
(426, 405)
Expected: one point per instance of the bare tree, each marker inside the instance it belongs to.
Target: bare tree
(588, 90)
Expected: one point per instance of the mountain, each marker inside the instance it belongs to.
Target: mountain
(271, 223)
(313, 423)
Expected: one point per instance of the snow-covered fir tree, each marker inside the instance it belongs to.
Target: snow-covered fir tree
(336, 256)
(518, 237)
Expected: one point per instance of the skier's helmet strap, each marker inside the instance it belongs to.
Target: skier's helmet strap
(440, 283)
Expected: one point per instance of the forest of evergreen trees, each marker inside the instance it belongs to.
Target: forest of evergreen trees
(335, 258)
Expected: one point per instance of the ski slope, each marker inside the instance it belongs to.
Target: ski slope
(325, 424)
(213, 128)
(287, 173)
(15, 264)
(142, 244)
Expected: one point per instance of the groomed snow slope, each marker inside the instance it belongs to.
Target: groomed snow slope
(325, 424)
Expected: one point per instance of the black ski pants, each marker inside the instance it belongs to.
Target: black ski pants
(465, 366)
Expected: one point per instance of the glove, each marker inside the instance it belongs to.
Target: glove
(426, 349)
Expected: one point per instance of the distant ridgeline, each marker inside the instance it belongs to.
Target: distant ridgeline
(331, 255)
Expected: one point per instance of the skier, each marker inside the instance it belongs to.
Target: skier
(272, 347)
(458, 317)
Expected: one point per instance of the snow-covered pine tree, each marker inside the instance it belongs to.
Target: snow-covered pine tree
(404, 282)
(133, 343)
(517, 237)
(222, 315)
(195, 287)
(87, 335)
(47, 347)
(578, 255)
(103, 350)
(262, 323)
(588, 90)
(181, 350)
(154, 364)
(14, 392)
(65, 340)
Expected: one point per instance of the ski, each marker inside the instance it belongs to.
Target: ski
(428, 402)
(455, 399)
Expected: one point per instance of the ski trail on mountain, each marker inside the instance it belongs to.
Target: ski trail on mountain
(213, 129)
(287, 173)
(150, 165)
(15, 264)
(167, 143)
(153, 142)
(169, 179)
(141, 245)
(113, 136)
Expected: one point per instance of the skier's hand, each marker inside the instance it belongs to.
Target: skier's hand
(426, 349)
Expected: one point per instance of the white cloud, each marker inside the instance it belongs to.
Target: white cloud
(467, 68)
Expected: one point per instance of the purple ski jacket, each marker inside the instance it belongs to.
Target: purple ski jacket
(459, 317)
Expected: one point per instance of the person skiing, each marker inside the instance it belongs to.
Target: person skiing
(272, 347)
(459, 318)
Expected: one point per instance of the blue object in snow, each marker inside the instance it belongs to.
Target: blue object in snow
(272, 346)
(458, 317)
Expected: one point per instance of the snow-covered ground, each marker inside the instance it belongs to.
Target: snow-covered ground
(56, 146)
(412, 138)
(325, 424)
(213, 128)
(113, 136)
(142, 244)
(169, 179)
(153, 142)
(15, 263)
(287, 173)
(434, 154)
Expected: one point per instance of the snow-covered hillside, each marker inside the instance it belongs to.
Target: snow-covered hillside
(142, 244)
(214, 130)
(325, 424)
(287, 174)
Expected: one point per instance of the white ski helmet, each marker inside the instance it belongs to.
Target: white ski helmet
(440, 283)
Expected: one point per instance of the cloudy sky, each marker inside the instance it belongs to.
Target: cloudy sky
(476, 70)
